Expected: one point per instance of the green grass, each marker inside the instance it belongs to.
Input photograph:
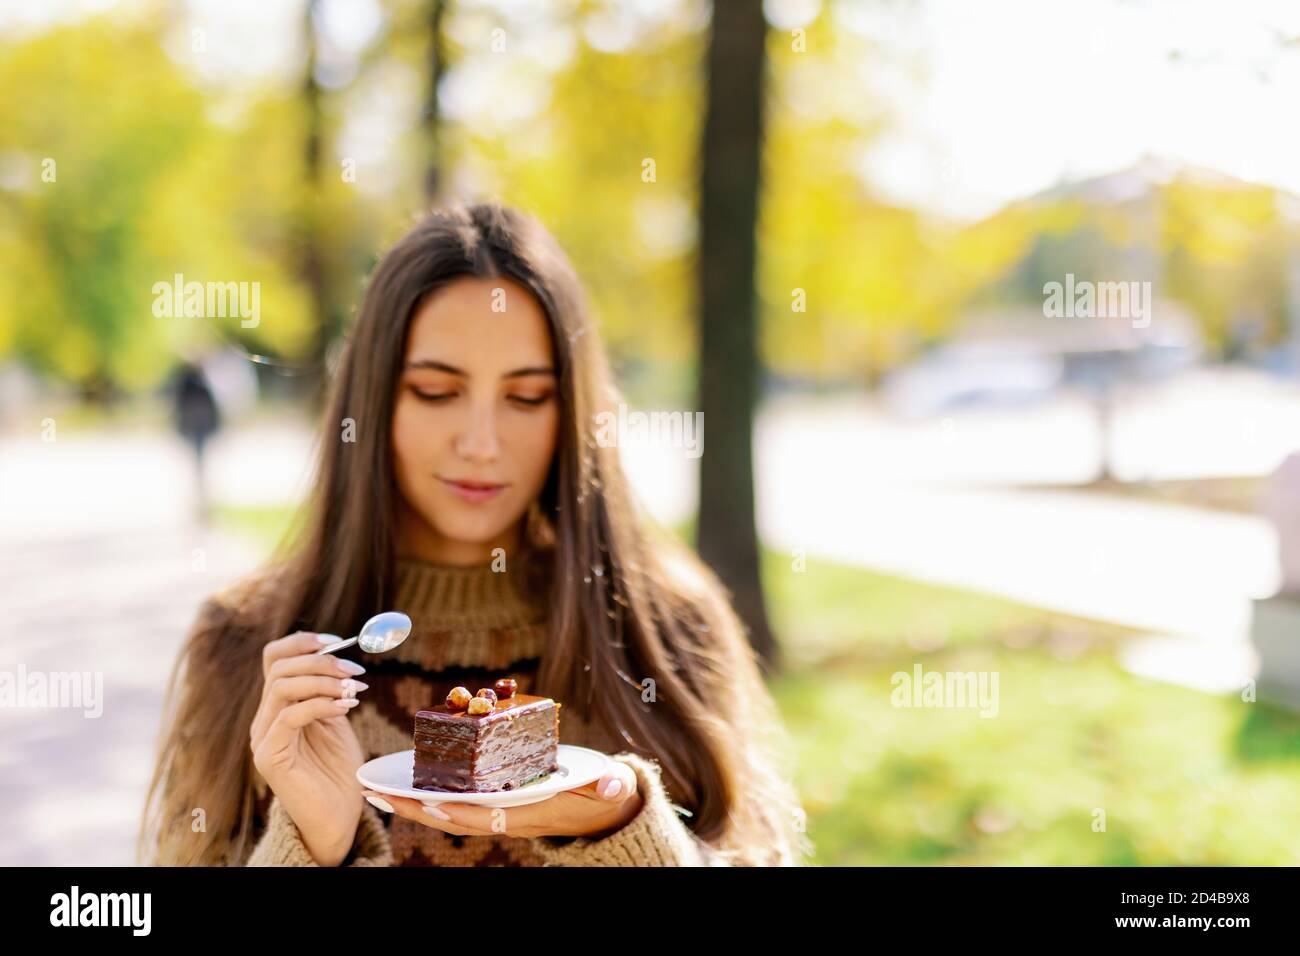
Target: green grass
(829, 610)
(1182, 777)
(265, 526)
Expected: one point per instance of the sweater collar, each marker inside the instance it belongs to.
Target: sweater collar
(484, 596)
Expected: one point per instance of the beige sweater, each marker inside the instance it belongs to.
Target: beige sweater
(471, 627)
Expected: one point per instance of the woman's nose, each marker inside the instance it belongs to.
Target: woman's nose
(477, 441)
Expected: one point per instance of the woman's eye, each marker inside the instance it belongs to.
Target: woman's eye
(432, 396)
(526, 400)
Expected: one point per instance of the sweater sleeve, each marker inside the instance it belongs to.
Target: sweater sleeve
(281, 843)
(654, 837)
(658, 836)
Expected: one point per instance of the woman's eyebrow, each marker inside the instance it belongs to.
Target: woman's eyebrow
(535, 370)
(435, 365)
(452, 370)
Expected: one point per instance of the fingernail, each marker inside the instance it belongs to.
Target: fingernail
(343, 703)
(612, 789)
(434, 811)
(351, 687)
(327, 638)
(352, 667)
(380, 804)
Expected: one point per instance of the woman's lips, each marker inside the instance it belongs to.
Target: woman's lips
(473, 491)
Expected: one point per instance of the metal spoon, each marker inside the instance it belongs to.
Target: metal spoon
(381, 633)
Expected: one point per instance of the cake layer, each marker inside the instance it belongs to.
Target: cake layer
(502, 750)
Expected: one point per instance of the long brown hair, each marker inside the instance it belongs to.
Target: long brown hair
(627, 602)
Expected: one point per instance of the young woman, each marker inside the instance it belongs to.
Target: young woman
(459, 481)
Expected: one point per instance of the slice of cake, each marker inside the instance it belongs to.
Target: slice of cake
(493, 740)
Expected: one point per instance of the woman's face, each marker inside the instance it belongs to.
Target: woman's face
(474, 421)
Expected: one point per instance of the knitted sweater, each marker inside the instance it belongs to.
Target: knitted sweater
(472, 626)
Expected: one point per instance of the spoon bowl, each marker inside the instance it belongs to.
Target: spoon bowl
(381, 633)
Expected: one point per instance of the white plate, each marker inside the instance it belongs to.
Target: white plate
(393, 774)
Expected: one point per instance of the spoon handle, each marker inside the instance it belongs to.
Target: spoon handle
(331, 648)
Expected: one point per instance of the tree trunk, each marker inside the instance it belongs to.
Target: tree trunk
(432, 116)
(313, 253)
(729, 373)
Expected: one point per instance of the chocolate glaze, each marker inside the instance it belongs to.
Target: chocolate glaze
(510, 707)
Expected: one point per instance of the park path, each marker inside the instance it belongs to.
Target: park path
(102, 573)
(937, 501)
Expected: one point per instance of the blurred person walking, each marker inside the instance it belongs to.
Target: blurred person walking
(197, 418)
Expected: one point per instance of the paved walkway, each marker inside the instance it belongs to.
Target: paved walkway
(111, 604)
(930, 500)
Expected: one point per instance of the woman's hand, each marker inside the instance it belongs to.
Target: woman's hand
(304, 746)
(594, 811)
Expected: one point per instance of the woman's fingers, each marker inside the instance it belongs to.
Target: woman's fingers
(565, 814)
(297, 716)
(289, 722)
(278, 667)
(573, 812)
(414, 810)
(318, 678)
(291, 690)
(300, 642)
(616, 784)
(293, 718)
(600, 807)
(327, 665)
